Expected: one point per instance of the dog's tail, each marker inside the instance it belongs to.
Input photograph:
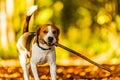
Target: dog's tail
(28, 16)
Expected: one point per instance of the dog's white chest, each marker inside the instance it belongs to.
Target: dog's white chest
(40, 56)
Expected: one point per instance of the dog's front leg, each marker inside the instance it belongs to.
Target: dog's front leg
(22, 58)
(34, 70)
(53, 70)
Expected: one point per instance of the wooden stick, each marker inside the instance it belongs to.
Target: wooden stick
(80, 55)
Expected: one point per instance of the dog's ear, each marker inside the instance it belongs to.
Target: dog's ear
(37, 35)
(38, 31)
(58, 32)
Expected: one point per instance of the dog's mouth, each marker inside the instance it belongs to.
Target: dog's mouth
(48, 43)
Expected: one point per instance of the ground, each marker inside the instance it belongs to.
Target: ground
(11, 70)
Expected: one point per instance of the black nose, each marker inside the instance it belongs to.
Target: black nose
(50, 39)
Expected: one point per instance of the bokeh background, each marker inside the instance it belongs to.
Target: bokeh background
(91, 27)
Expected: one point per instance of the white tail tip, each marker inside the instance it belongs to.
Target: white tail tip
(32, 10)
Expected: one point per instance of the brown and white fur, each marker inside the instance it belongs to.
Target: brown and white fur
(37, 47)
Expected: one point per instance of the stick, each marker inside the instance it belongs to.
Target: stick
(80, 55)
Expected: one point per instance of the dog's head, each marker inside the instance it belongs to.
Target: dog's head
(48, 34)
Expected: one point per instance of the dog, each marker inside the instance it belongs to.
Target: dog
(37, 47)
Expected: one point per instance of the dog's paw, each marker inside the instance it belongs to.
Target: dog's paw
(32, 10)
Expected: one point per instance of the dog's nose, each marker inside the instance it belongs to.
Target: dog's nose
(50, 39)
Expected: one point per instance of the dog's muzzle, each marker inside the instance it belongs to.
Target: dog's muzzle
(50, 39)
(49, 42)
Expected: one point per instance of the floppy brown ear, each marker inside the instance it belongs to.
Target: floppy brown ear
(58, 32)
(38, 31)
(37, 35)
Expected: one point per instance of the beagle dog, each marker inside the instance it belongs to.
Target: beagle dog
(37, 47)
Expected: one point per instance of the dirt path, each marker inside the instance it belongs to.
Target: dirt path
(63, 72)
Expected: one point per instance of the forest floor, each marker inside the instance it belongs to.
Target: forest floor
(11, 70)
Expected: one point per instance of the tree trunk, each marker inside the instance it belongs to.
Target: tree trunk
(3, 26)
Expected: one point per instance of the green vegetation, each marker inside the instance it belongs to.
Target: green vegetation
(91, 27)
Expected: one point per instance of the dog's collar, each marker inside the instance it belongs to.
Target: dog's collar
(43, 48)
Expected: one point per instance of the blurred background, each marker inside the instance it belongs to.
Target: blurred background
(91, 27)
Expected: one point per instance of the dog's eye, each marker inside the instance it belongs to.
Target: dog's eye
(54, 32)
(45, 31)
